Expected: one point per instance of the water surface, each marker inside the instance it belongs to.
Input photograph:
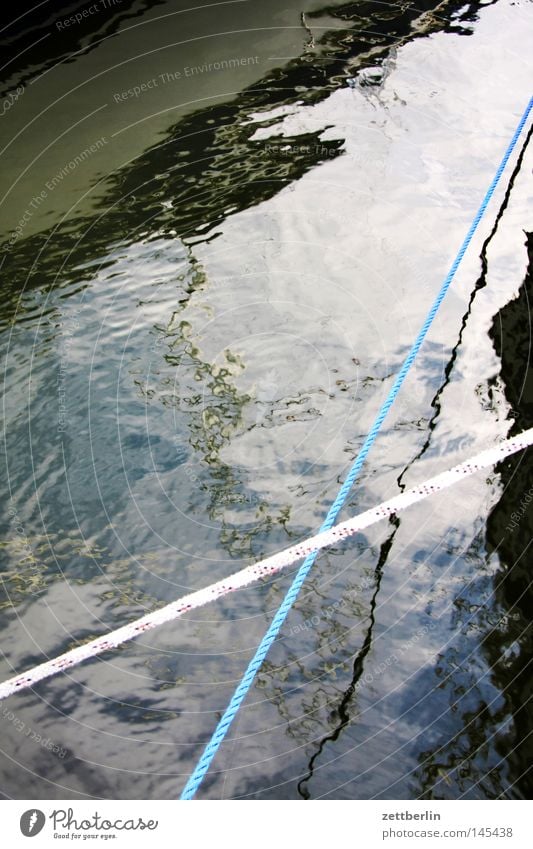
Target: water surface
(200, 320)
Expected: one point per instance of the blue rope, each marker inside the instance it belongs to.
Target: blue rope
(253, 667)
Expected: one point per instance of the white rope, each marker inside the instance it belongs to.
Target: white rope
(268, 566)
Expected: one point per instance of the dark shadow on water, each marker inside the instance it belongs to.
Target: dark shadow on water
(512, 325)
(343, 709)
(491, 755)
(208, 163)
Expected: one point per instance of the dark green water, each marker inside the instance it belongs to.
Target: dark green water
(215, 255)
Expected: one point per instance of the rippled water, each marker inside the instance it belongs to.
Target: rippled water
(200, 319)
